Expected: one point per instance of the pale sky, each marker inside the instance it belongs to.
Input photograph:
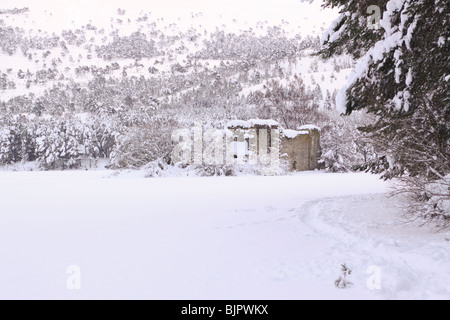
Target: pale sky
(310, 17)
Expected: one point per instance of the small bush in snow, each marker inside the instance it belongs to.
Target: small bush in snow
(428, 200)
(143, 144)
(342, 282)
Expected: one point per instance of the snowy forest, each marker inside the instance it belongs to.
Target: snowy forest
(88, 94)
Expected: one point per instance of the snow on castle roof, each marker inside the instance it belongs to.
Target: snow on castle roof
(252, 123)
(309, 127)
(291, 134)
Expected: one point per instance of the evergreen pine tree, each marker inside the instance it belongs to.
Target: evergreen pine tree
(403, 77)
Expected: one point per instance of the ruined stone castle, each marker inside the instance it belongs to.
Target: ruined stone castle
(299, 149)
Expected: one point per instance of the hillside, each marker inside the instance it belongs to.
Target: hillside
(98, 92)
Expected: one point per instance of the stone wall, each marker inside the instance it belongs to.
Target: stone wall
(300, 149)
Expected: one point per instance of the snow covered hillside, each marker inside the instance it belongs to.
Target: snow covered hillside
(76, 235)
(91, 88)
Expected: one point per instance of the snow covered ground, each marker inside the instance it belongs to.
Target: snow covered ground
(212, 238)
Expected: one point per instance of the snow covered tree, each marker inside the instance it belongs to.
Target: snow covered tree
(292, 105)
(402, 77)
(143, 143)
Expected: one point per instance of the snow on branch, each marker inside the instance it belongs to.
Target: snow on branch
(396, 34)
(331, 34)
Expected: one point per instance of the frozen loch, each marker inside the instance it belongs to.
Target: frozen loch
(77, 235)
